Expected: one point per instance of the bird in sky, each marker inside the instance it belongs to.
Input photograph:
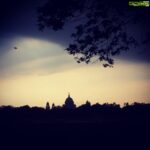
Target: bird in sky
(15, 47)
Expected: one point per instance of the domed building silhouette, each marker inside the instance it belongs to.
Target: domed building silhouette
(69, 103)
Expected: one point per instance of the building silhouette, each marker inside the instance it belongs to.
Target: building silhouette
(47, 106)
(69, 103)
(53, 106)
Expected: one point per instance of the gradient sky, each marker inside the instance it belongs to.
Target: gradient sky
(40, 70)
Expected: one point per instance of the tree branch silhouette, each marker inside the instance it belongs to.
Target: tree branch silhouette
(101, 31)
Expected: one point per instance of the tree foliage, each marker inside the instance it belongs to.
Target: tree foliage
(101, 30)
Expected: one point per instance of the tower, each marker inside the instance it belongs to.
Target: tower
(47, 106)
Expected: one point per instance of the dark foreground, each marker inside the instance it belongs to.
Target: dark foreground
(90, 128)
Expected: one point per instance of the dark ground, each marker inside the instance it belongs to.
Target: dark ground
(26, 128)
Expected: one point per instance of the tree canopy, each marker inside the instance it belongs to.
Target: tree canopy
(102, 27)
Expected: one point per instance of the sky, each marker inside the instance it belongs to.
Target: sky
(40, 70)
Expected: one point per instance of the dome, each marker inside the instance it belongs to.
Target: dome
(69, 99)
(69, 103)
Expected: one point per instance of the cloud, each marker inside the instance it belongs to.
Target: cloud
(40, 57)
(34, 56)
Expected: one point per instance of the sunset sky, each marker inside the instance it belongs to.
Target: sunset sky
(39, 70)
